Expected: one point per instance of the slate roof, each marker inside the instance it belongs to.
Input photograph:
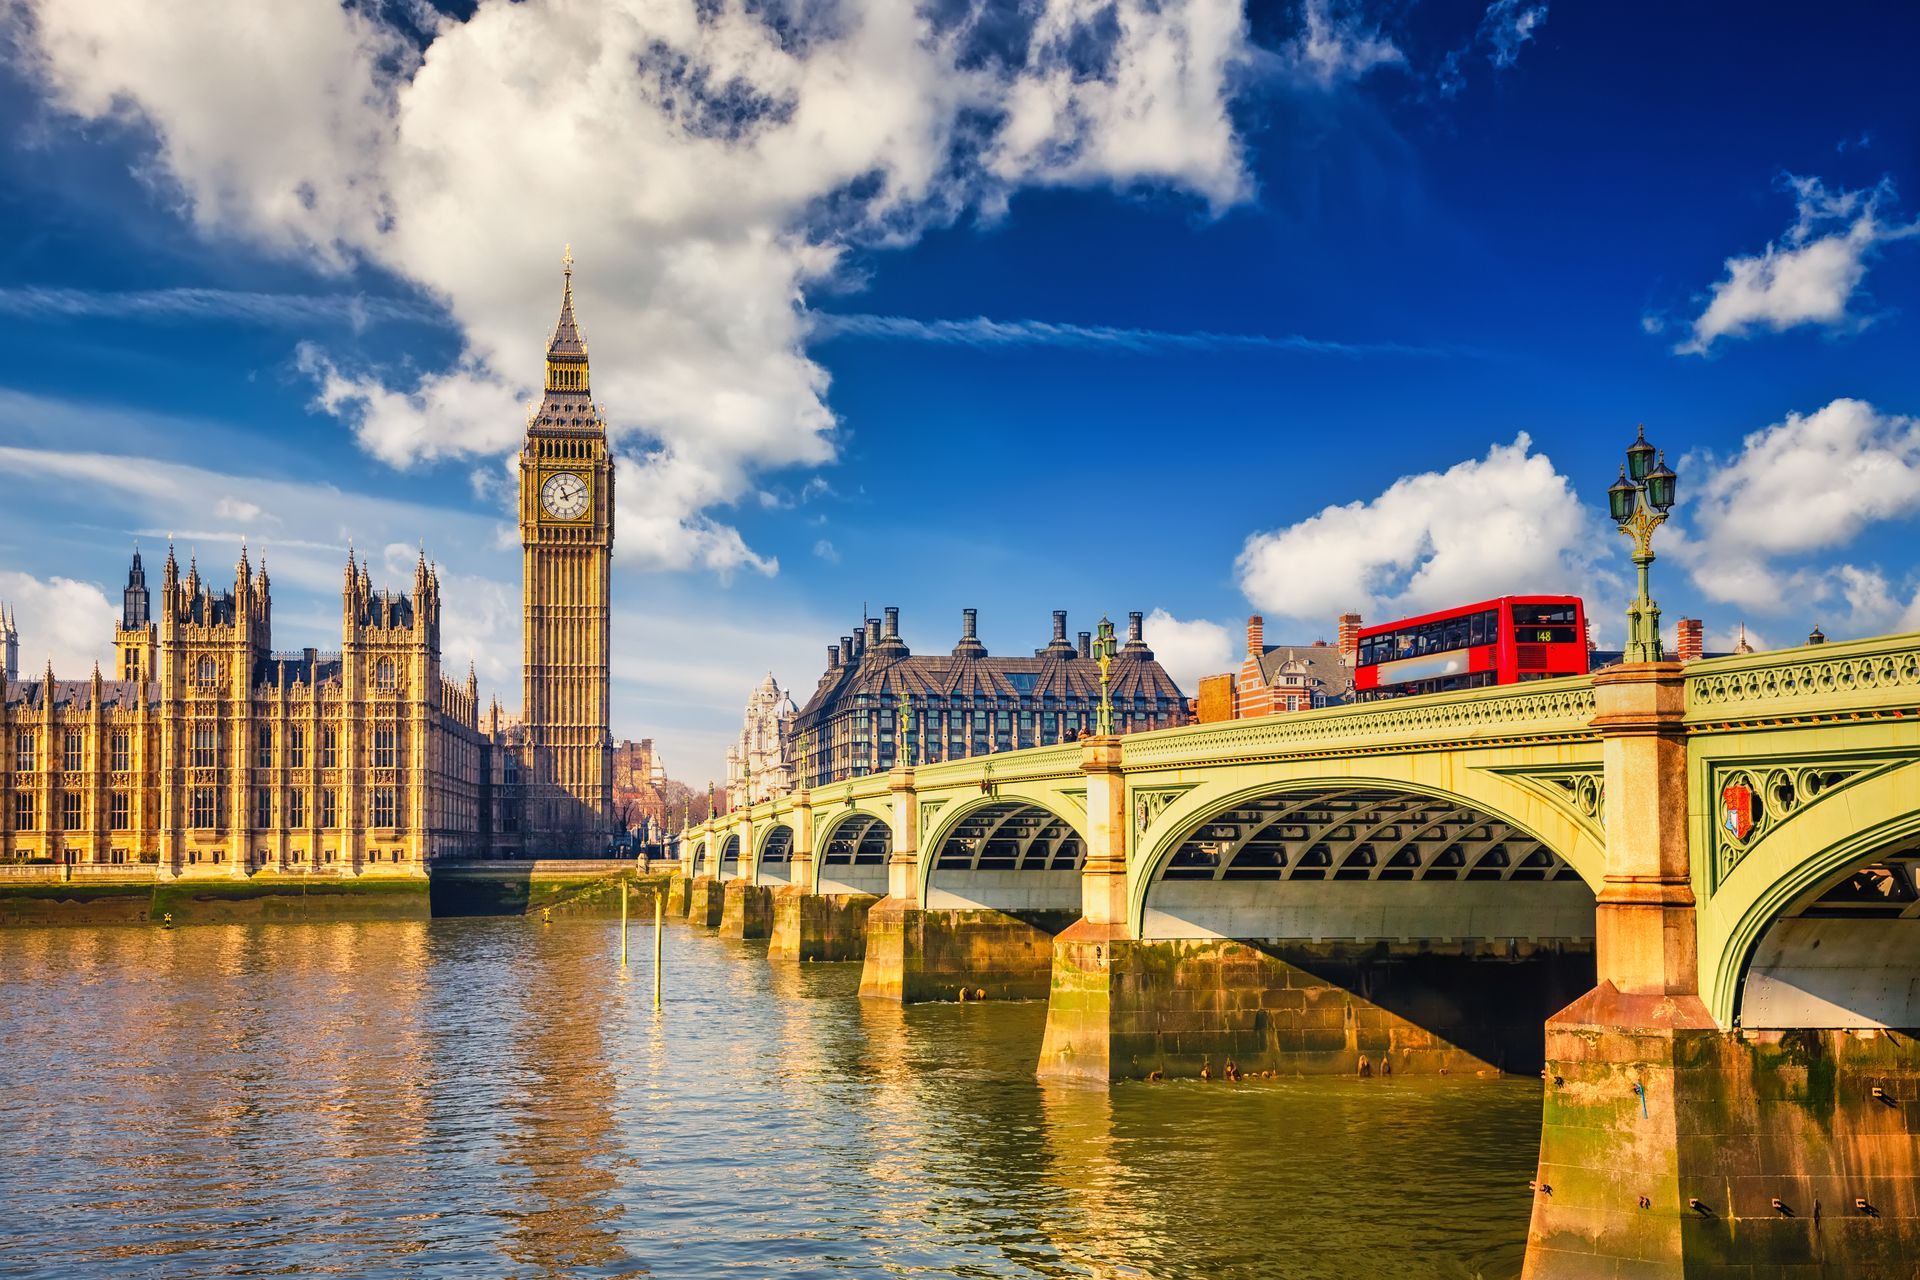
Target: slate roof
(888, 667)
(1323, 667)
(122, 695)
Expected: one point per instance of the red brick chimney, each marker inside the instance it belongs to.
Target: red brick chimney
(1350, 638)
(1692, 640)
(1256, 635)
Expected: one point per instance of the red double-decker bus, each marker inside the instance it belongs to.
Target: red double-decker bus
(1494, 642)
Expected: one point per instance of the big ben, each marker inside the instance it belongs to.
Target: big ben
(566, 536)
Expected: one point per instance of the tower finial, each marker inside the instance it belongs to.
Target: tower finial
(566, 261)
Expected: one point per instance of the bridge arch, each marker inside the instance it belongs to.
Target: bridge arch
(729, 858)
(1818, 923)
(773, 854)
(1005, 853)
(699, 859)
(1383, 829)
(850, 856)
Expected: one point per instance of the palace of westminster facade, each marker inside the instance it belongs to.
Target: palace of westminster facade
(209, 753)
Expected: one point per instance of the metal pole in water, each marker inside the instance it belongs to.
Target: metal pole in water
(657, 947)
(623, 924)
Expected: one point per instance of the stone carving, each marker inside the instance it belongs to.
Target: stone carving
(1150, 802)
(1751, 800)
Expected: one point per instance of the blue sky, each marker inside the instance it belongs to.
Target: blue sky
(1178, 307)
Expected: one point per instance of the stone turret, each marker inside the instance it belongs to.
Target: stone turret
(9, 644)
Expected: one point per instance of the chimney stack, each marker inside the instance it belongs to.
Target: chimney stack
(1256, 635)
(873, 632)
(1691, 638)
(893, 622)
(1349, 624)
(846, 650)
(833, 656)
(1135, 628)
(1060, 626)
(1086, 644)
(969, 635)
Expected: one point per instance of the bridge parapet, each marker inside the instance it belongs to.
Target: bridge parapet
(1879, 674)
(1561, 708)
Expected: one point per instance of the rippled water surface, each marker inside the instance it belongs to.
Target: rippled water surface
(493, 1097)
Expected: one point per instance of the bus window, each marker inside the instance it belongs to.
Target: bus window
(1544, 624)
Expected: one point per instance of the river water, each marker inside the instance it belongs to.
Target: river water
(494, 1097)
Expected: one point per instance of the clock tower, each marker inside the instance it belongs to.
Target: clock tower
(566, 536)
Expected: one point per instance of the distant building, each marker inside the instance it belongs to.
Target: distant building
(9, 645)
(1283, 677)
(639, 785)
(968, 703)
(760, 764)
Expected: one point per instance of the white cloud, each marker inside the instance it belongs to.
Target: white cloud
(68, 621)
(826, 551)
(197, 305)
(1338, 44)
(1810, 276)
(1188, 649)
(1503, 524)
(1508, 25)
(979, 331)
(710, 164)
(1811, 483)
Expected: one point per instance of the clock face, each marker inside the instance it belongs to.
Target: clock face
(564, 496)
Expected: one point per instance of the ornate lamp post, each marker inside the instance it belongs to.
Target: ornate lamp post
(903, 750)
(1639, 501)
(1103, 650)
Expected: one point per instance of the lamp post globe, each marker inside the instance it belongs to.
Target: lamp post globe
(1661, 482)
(1621, 498)
(1640, 456)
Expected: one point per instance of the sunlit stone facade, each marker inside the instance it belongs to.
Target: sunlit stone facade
(208, 752)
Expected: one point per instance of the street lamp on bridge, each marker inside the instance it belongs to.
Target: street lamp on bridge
(1639, 501)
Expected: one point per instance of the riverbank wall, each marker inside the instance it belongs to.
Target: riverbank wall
(54, 895)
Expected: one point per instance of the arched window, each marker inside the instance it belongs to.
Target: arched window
(205, 673)
(384, 674)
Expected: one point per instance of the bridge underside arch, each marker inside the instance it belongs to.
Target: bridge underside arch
(1365, 862)
(699, 860)
(775, 864)
(852, 858)
(730, 858)
(1005, 855)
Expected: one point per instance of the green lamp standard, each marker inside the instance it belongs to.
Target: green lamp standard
(903, 752)
(1103, 650)
(1639, 501)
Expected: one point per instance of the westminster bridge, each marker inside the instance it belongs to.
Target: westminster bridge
(1699, 879)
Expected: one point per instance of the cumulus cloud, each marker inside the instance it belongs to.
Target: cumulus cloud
(1503, 524)
(61, 619)
(1188, 649)
(1336, 43)
(1809, 276)
(1811, 483)
(709, 163)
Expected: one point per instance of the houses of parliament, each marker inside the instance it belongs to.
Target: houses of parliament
(210, 753)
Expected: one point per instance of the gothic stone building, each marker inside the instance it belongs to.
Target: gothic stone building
(211, 753)
(968, 703)
(760, 761)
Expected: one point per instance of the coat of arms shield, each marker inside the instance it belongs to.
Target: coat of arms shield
(1736, 810)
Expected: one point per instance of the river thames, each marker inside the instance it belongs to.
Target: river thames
(492, 1097)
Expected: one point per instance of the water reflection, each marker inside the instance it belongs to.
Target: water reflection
(495, 1097)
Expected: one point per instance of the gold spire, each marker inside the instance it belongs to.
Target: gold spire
(567, 352)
